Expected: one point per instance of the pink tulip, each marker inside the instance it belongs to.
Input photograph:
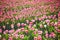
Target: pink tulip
(35, 38)
(33, 20)
(39, 37)
(56, 24)
(16, 36)
(32, 28)
(30, 24)
(18, 24)
(52, 35)
(0, 30)
(49, 17)
(40, 19)
(6, 31)
(58, 30)
(26, 31)
(27, 21)
(18, 30)
(40, 32)
(46, 35)
(52, 23)
(41, 26)
(35, 32)
(22, 36)
(10, 38)
(11, 31)
(59, 14)
(4, 27)
(44, 16)
(0, 13)
(22, 24)
(47, 21)
(12, 25)
(22, 29)
(16, 17)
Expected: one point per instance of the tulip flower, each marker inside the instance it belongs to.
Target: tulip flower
(12, 25)
(10, 38)
(40, 32)
(18, 24)
(35, 38)
(22, 36)
(39, 37)
(26, 31)
(0, 30)
(52, 35)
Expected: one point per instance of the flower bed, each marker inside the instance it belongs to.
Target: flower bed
(29, 20)
(35, 29)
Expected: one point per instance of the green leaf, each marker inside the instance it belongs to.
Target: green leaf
(6, 36)
(44, 38)
(26, 38)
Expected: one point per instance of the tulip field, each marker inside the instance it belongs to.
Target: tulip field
(29, 19)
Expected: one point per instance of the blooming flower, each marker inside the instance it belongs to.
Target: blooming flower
(0, 30)
(35, 32)
(40, 32)
(4, 27)
(10, 38)
(32, 28)
(22, 29)
(38, 14)
(26, 31)
(11, 31)
(16, 36)
(35, 38)
(12, 25)
(58, 30)
(27, 21)
(59, 14)
(33, 20)
(52, 35)
(46, 35)
(4, 32)
(39, 37)
(52, 23)
(47, 21)
(22, 36)
(56, 24)
(22, 24)
(41, 26)
(18, 24)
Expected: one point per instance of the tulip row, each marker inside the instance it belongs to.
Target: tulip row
(42, 28)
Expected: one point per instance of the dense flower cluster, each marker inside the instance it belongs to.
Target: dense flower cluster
(14, 9)
(29, 19)
(44, 28)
